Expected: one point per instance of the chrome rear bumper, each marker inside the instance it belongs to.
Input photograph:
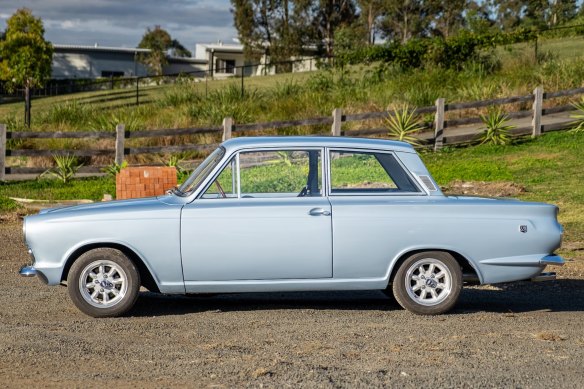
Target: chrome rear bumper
(549, 276)
(554, 260)
(27, 271)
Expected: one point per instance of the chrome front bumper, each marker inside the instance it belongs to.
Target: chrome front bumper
(27, 271)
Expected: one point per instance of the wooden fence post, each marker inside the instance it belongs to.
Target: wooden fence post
(120, 138)
(537, 109)
(2, 151)
(227, 128)
(337, 119)
(439, 124)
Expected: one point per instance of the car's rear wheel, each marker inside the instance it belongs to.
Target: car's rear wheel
(103, 283)
(428, 283)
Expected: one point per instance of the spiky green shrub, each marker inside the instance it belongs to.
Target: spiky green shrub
(69, 112)
(578, 123)
(177, 161)
(227, 102)
(497, 128)
(182, 92)
(402, 122)
(65, 168)
(107, 121)
(113, 169)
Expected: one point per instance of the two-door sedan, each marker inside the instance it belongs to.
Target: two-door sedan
(268, 214)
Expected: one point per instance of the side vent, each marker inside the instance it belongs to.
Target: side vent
(428, 183)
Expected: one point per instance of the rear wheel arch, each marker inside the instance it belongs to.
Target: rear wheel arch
(468, 270)
(146, 277)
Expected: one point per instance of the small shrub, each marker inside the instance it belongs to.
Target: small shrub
(182, 92)
(321, 81)
(285, 89)
(131, 119)
(69, 112)
(227, 102)
(65, 169)
(497, 130)
(7, 205)
(403, 123)
(578, 123)
(113, 169)
(176, 161)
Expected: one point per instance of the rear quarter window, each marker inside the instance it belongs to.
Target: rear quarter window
(368, 173)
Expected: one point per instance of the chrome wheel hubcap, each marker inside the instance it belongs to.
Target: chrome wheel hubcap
(428, 281)
(103, 284)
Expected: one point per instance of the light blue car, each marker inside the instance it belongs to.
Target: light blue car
(268, 214)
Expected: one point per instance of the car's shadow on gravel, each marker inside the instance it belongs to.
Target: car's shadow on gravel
(557, 296)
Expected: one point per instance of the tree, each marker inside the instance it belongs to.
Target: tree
(267, 27)
(324, 18)
(509, 13)
(371, 11)
(562, 11)
(178, 50)
(160, 44)
(26, 55)
(449, 17)
(478, 17)
(406, 19)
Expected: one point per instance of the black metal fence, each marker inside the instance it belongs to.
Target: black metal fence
(58, 87)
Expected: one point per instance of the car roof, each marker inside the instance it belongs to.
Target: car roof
(320, 141)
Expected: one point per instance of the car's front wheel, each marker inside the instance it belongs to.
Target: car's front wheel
(428, 283)
(103, 282)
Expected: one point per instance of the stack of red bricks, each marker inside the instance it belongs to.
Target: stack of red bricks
(146, 181)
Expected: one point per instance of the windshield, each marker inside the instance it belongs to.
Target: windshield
(202, 171)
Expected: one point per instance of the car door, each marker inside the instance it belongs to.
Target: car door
(264, 217)
(376, 213)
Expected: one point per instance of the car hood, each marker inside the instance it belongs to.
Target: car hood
(110, 205)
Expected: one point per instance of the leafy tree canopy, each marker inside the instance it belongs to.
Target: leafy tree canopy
(161, 45)
(26, 55)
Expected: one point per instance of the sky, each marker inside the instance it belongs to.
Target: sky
(121, 23)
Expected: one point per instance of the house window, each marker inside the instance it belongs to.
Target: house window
(225, 66)
(111, 73)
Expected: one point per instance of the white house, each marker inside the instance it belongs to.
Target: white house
(225, 60)
(217, 60)
(73, 61)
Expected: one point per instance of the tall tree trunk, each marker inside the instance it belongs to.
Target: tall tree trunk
(27, 104)
(370, 21)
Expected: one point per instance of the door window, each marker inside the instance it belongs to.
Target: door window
(269, 174)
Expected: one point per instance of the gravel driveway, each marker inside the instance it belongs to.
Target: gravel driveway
(520, 335)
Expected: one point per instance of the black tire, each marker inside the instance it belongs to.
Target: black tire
(442, 282)
(103, 282)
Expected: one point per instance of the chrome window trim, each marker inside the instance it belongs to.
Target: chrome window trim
(421, 190)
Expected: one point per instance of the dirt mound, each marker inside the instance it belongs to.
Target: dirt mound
(484, 188)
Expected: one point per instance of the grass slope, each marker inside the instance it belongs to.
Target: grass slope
(506, 72)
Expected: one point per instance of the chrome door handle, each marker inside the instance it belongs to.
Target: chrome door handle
(319, 212)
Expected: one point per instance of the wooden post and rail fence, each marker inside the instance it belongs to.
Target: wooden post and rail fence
(436, 138)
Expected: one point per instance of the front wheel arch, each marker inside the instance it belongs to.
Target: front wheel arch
(147, 280)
